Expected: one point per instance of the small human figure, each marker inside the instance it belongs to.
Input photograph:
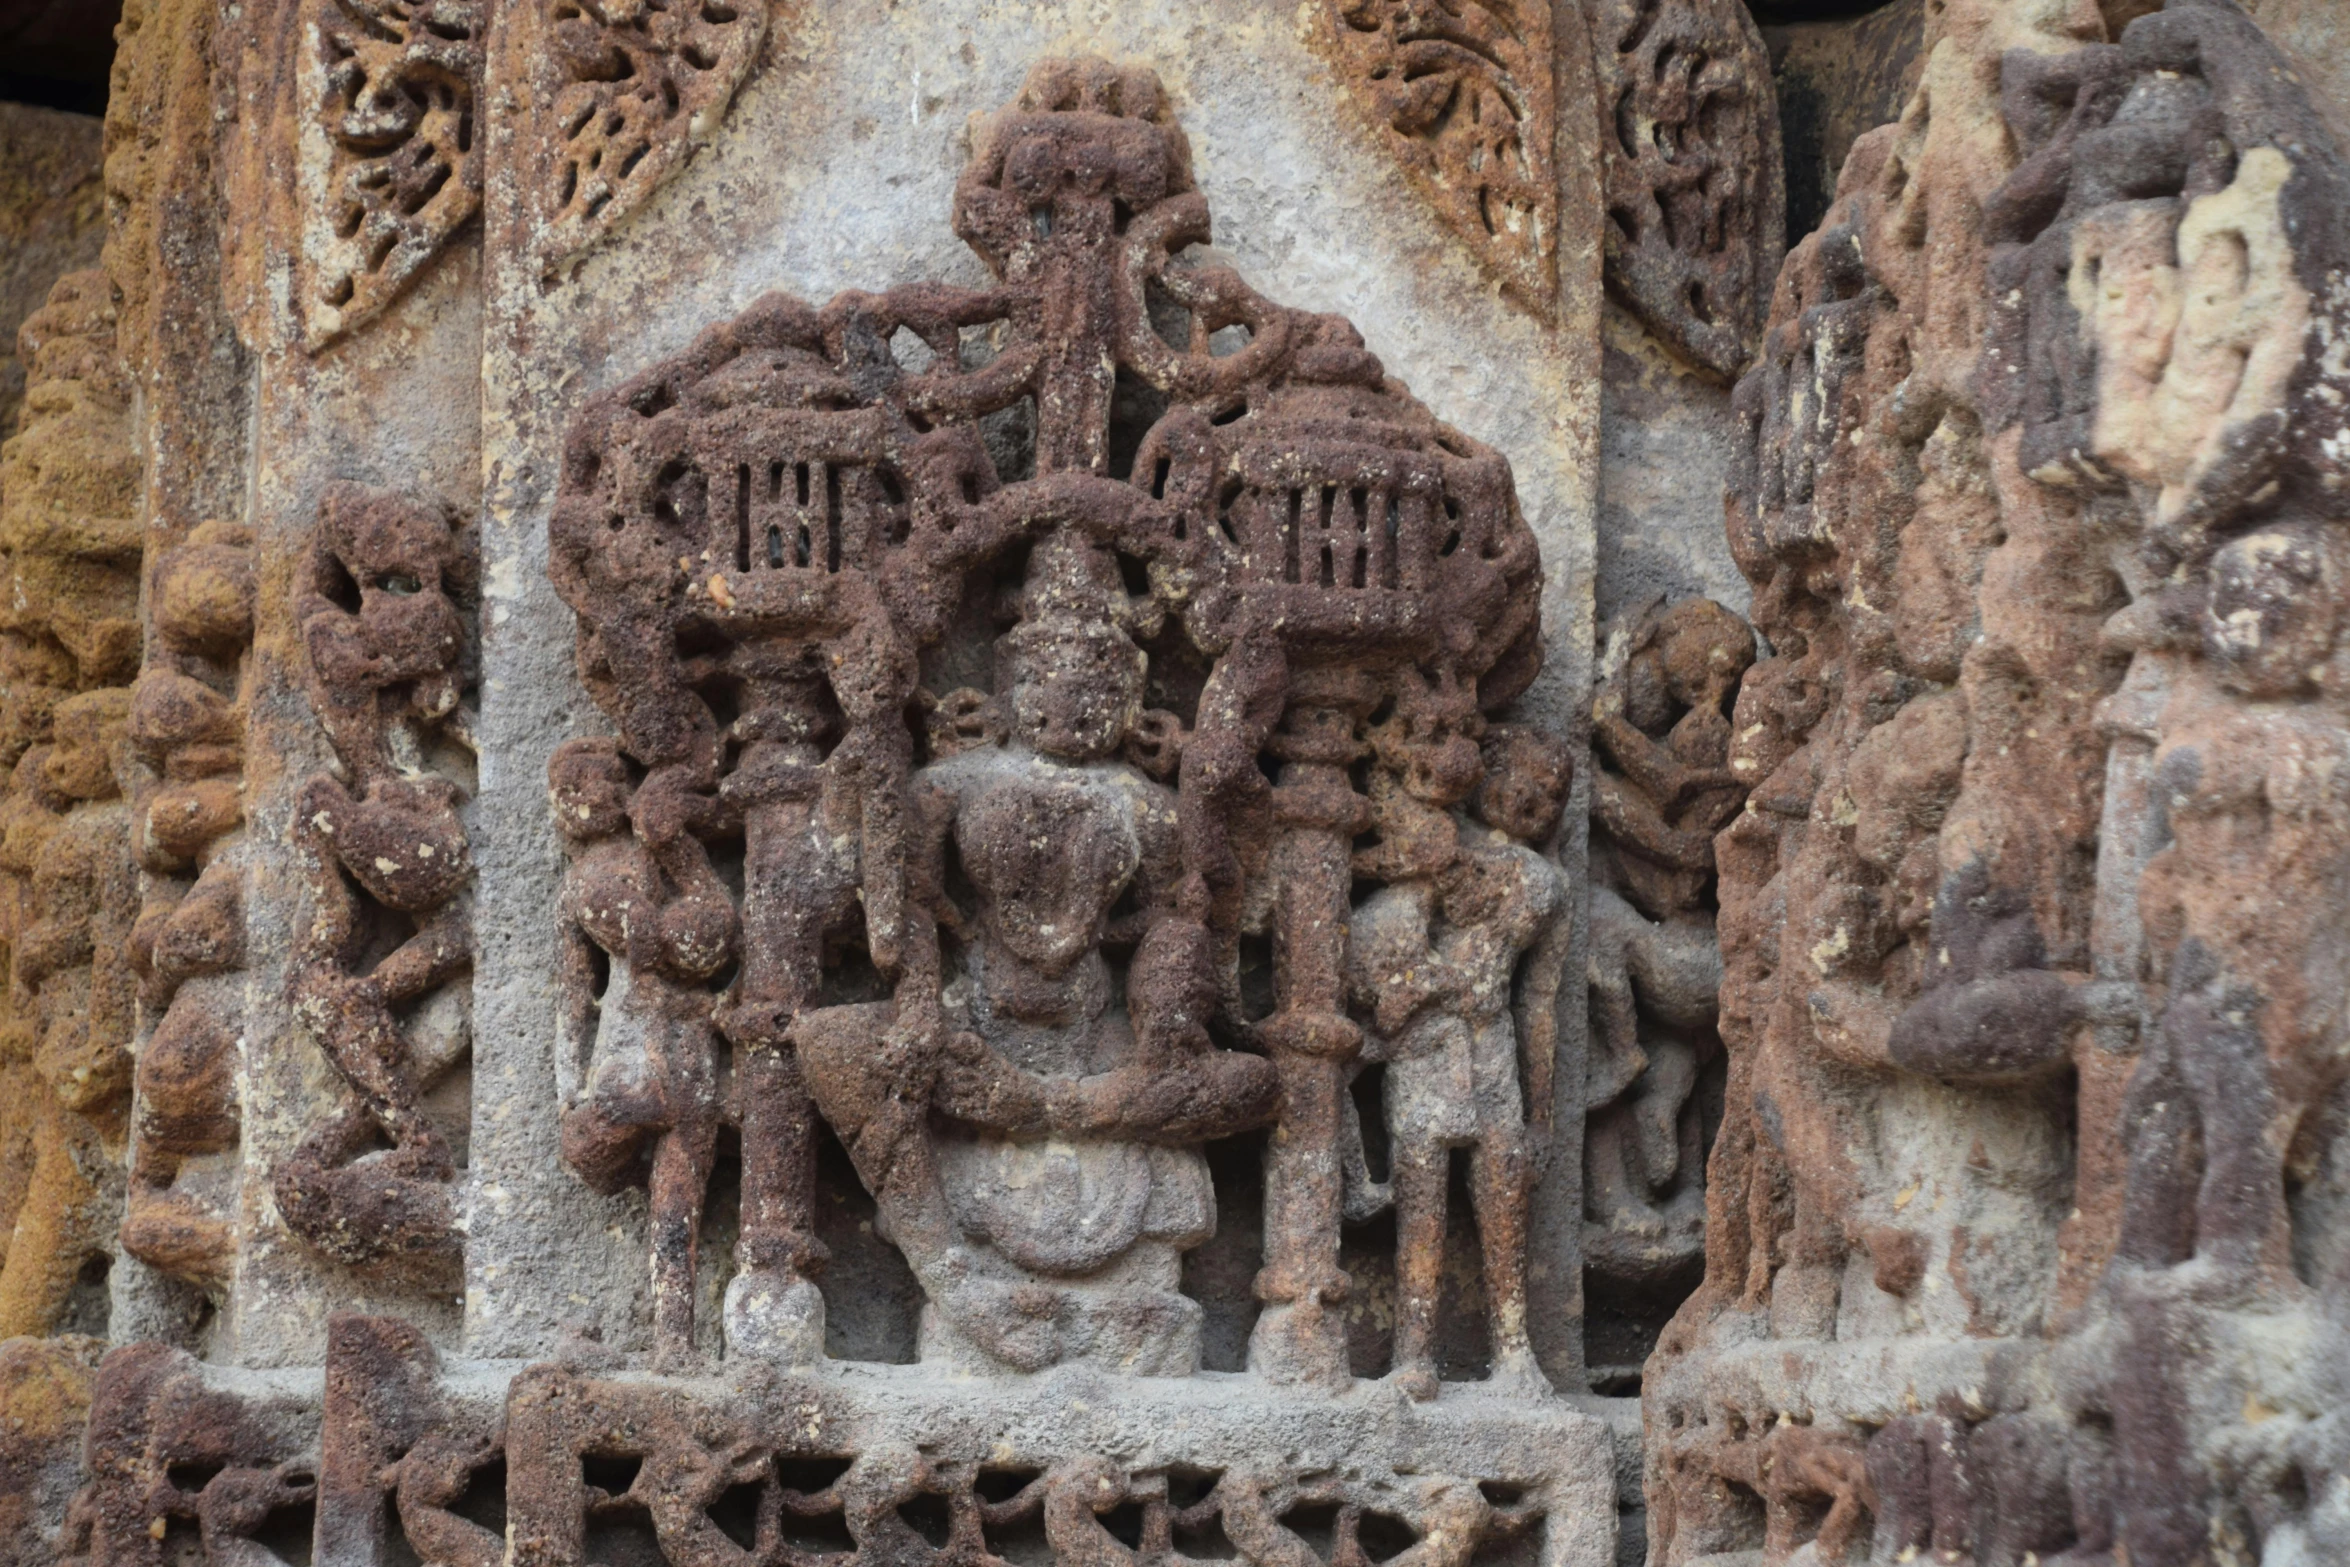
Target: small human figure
(388, 657)
(2253, 771)
(651, 1073)
(1459, 961)
(1663, 787)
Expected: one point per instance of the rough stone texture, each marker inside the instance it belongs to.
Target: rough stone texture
(52, 221)
(67, 495)
(1689, 138)
(1836, 80)
(2022, 1240)
(1161, 828)
(813, 835)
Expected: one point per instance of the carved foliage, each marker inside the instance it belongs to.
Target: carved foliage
(394, 92)
(386, 617)
(1462, 97)
(1696, 205)
(636, 86)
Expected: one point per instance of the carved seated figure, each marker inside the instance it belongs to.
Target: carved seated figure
(1031, 1142)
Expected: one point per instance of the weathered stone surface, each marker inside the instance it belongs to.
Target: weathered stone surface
(1696, 203)
(2024, 1078)
(52, 221)
(758, 812)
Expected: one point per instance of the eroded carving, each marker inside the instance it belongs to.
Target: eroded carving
(1463, 98)
(1663, 787)
(179, 1468)
(68, 643)
(2036, 505)
(187, 728)
(634, 87)
(767, 1479)
(1435, 957)
(394, 92)
(1047, 887)
(384, 612)
(1696, 201)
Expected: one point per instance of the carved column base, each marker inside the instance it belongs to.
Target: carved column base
(774, 1315)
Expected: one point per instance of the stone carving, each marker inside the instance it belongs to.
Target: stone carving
(385, 621)
(45, 1385)
(768, 1480)
(632, 88)
(1463, 97)
(1696, 201)
(394, 93)
(186, 727)
(399, 1454)
(1661, 733)
(68, 643)
(2037, 502)
(181, 1469)
(1435, 954)
(1046, 889)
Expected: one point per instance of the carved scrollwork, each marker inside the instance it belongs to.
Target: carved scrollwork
(1463, 98)
(395, 91)
(1695, 192)
(640, 85)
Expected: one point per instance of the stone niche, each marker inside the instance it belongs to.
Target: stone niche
(825, 788)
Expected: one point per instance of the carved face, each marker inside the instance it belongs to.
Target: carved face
(1525, 787)
(2269, 621)
(399, 555)
(1076, 687)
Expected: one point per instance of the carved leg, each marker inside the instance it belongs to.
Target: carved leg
(680, 1185)
(1500, 1183)
(1419, 1176)
(2240, 1218)
(2158, 1204)
(792, 895)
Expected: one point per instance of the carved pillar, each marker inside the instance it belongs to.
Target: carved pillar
(1301, 1337)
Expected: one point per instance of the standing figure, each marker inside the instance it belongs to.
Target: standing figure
(384, 630)
(1663, 787)
(651, 1068)
(1437, 956)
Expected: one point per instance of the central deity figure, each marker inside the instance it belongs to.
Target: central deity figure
(1048, 1211)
